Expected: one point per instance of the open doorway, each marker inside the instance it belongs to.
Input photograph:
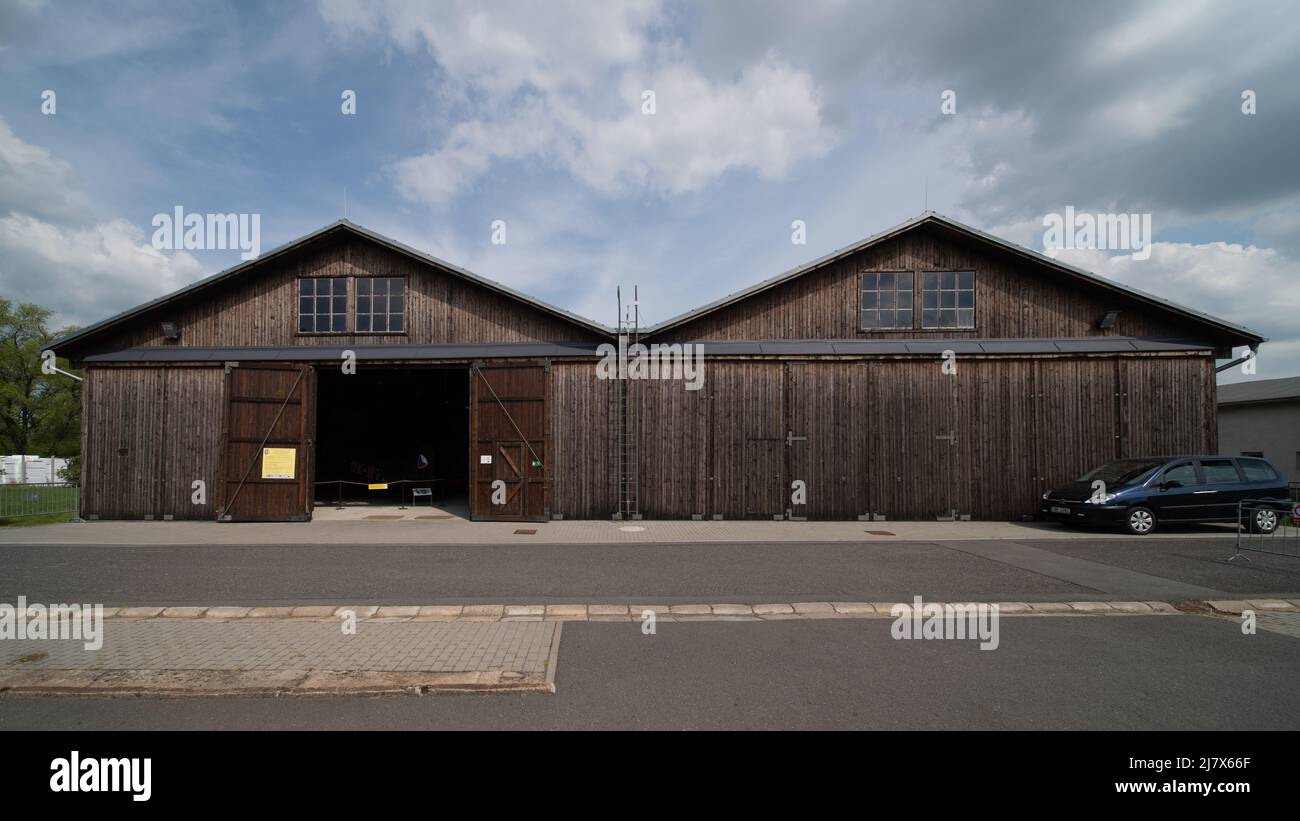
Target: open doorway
(406, 427)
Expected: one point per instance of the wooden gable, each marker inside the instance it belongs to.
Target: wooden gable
(259, 306)
(1015, 297)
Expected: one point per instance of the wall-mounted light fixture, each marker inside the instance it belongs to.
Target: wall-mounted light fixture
(171, 331)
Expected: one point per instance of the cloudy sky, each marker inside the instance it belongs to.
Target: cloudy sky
(766, 112)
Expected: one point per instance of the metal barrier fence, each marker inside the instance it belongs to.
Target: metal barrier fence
(415, 488)
(1267, 526)
(38, 499)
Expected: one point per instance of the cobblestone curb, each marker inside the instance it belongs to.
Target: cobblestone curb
(1235, 607)
(101, 683)
(679, 612)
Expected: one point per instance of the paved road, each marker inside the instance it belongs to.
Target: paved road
(1142, 672)
(1048, 570)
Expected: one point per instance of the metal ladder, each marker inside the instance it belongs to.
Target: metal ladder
(627, 413)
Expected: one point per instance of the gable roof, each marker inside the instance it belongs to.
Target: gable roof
(1260, 390)
(933, 218)
(1239, 333)
(340, 228)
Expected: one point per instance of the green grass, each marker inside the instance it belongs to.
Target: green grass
(55, 504)
(39, 519)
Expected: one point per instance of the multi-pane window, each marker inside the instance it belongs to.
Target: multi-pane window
(886, 300)
(322, 305)
(381, 304)
(948, 299)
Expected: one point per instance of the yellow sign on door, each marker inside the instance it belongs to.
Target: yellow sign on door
(279, 463)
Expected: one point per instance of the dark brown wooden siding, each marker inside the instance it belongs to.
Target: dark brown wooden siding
(1013, 299)
(899, 438)
(149, 433)
(675, 480)
(888, 435)
(262, 308)
(866, 436)
(582, 442)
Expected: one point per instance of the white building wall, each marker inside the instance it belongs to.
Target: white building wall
(30, 470)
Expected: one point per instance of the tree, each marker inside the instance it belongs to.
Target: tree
(39, 414)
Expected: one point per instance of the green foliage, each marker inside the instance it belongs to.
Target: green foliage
(39, 414)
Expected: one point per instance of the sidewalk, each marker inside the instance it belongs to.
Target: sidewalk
(287, 656)
(277, 651)
(327, 530)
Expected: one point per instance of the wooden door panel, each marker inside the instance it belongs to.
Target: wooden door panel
(763, 478)
(509, 428)
(267, 407)
(746, 404)
(829, 430)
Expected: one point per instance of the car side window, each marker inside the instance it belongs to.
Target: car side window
(1184, 473)
(1219, 471)
(1257, 470)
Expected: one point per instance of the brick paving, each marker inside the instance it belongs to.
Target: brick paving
(247, 645)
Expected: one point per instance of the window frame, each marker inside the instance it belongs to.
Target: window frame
(862, 275)
(1205, 472)
(388, 315)
(956, 308)
(1199, 478)
(298, 297)
(1242, 464)
(918, 325)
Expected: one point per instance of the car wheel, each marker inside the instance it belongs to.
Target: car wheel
(1264, 521)
(1140, 521)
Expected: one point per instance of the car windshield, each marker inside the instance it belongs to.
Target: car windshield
(1123, 472)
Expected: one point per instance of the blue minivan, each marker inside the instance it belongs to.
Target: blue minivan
(1140, 493)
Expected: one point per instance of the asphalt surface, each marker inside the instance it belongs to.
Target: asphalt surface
(663, 573)
(1197, 563)
(1112, 672)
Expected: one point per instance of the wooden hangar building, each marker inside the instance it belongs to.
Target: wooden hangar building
(929, 371)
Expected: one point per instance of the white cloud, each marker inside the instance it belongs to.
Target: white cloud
(52, 255)
(34, 180)
(508, 45)
(86, 274)
(562, 84)
(766, 120)
(1245, 284)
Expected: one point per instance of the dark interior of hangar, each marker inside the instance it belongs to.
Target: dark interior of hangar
(405, 427)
